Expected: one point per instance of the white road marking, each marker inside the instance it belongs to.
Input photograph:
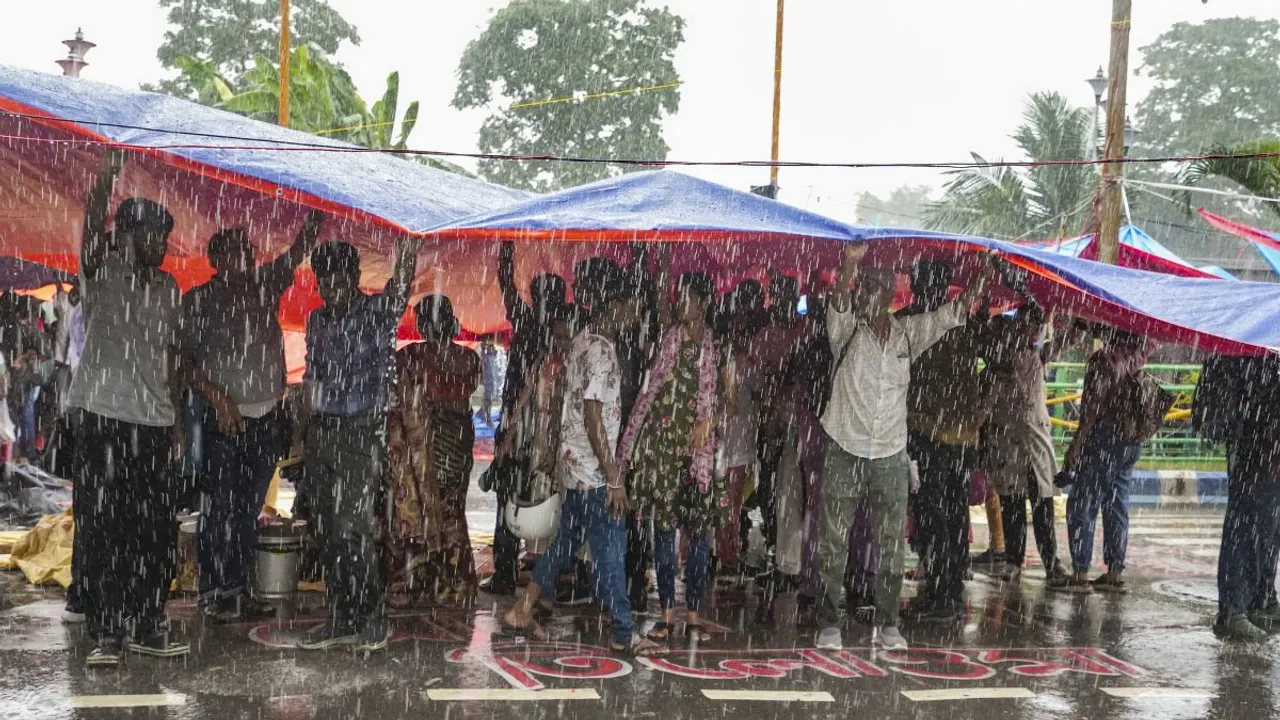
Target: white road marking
(768, 695)
(128, 701)
(967, 694)
(508, 694)
(1156, 692)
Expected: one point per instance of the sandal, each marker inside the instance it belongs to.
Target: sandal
(695, 633)
(642, 648)
(660, 632)
(1105, 584)
(531, 630)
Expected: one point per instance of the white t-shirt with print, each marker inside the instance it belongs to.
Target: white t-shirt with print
(593, 374)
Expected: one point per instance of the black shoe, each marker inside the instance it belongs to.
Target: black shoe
(328, 635)
(493, 586)
(158, 643)
(373, 638)
(105, 653)
(943, 614)
(987, 557)
(236, 608)
(574, 597)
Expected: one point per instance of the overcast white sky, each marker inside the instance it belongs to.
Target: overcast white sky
(911, 80)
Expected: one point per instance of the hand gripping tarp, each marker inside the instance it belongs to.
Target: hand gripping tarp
(212, 169)
(737, 235)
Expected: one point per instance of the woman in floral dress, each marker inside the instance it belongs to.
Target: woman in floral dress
(670, 445)
(430, 435)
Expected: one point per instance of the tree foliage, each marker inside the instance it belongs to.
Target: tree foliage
(323, 100)
(904, 207)
(1258, 176)
(1026, 203)
(558, 76)
(231, 35)
(1216, 83)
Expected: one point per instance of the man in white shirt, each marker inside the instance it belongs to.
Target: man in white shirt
(125, 390)
(866, 425)
(595, 498)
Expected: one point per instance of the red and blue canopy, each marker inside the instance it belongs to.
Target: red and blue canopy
(216, 169)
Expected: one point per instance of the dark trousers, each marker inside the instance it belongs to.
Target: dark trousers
(125, 524)
(1250, 540)
(233, 487)
(696, 569)
(1013, 513)
(344, 460)
(942, 517)
(1102, 483)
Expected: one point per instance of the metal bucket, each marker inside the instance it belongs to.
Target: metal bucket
(277, 554)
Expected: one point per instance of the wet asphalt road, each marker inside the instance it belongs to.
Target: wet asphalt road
(1045, 655)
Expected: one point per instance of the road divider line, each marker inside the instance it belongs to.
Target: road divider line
(509, 694)
(968, 694)
(127, 701)
(768, 695)
(1161, 693)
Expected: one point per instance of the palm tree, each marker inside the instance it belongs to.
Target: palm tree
(1020, 203)
(1259, 176)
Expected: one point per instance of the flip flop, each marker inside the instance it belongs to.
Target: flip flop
(642, 648)
(660, 632)
(695, 633)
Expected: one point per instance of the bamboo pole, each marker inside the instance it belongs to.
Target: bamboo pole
(284, 63)
(1111, 205)
(777, 95)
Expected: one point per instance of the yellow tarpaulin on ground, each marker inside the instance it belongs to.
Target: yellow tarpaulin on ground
(43, 554)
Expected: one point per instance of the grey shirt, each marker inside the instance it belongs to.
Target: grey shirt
(129, 328)
(235, 336)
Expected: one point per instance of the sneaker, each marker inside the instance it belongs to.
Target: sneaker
(327, 635)
(1237, 627)
(158, 643)
(72, 615)
(106, 652)
(829, 638)
(889, 638)
(373, 638)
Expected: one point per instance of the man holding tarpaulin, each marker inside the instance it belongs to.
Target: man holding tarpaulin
(341, 434)
(866, 425)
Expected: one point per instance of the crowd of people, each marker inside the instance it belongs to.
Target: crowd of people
(659, 413)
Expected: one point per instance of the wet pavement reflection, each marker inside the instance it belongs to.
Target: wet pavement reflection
(1019, 651)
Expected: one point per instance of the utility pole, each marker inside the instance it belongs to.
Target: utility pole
(284, 63)
(1109, 187)
(771, 190)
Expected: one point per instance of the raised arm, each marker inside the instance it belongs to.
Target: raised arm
(95, 243)
(401, 283)
(978, 288)
(662, 286)
(842, 293)
(303, 244)
(507, 280)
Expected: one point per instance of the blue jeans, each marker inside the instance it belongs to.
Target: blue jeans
(1250, 530)
(232, 489)
(695, 579)
(583, 518)
(1102, 482)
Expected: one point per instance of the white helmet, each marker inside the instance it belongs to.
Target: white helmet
(535, 522)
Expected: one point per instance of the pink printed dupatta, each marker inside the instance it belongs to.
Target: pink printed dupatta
(660, 374)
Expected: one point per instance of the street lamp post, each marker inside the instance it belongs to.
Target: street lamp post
(76, 49)
(1099, 85)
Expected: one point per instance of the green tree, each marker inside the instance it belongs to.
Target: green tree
(1216, 83)
(571, 77)
(1026, 203)
(1256, 176)
(904, 207)
(232, 34)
